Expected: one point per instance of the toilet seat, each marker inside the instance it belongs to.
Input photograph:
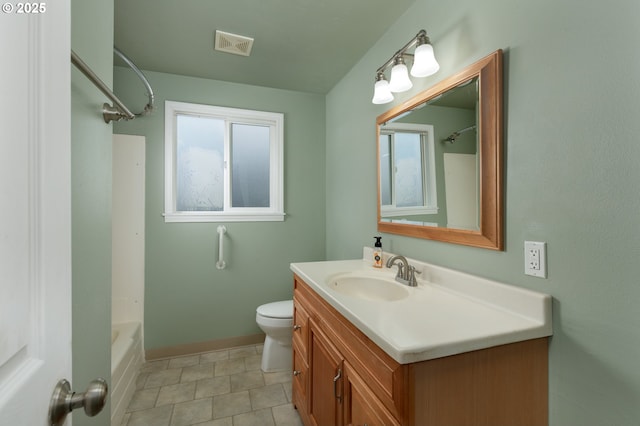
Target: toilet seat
(282, 309)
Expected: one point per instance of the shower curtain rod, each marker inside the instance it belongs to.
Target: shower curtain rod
(109, 113)
(149, 106)
(118, 111)
(453, 136)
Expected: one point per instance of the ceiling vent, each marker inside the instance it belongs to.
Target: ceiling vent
(233, 43)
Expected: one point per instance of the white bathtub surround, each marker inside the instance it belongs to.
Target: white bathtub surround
(448, 313)
(127, 286)
(128, 225)
(126, 360)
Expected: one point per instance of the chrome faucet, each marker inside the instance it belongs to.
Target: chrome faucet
(406, 273)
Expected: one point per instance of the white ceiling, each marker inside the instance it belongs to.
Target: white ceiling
(302, 45)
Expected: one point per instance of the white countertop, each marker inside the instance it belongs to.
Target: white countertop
(448, 313)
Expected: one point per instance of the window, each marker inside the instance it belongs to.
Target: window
(222, 164)
(407, 170)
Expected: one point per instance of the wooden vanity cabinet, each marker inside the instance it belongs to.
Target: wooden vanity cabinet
(342, 378)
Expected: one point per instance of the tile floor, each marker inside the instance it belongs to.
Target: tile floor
(221, 388)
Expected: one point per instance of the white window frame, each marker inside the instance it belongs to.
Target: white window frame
(430, 196)
(275, 121)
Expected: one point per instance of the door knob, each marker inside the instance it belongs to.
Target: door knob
(64, 400)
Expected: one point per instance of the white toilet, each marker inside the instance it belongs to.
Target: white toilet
(276, 320)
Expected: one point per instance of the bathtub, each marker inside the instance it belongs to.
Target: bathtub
(126, 359)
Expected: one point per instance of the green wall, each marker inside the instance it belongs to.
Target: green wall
(92, 40)
(188, 300)
(572, 178)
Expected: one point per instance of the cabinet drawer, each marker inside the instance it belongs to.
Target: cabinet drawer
(300, 326)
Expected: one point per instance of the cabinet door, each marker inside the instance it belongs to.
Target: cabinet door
(362, 407)
(325, 370)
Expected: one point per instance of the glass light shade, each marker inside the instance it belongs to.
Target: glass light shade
(400, 81)
(381, 93)
(424, 61)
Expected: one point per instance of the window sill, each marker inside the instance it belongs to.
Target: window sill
(195, 217)
(387, 211)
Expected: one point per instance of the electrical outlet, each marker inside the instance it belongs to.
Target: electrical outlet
(533, 259)
(535, 263)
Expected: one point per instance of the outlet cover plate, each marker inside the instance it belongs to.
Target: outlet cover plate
(535, 259)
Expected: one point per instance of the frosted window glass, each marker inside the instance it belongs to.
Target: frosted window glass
(199, 163)
(222, 164)
(249, 165)
(409, 178)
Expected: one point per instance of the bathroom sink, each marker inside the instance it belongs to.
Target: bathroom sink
(368, 287)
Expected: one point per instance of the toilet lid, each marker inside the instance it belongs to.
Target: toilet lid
(282, 309)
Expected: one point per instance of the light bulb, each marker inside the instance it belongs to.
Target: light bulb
(381, 93)
(400, 81)
(424, 61)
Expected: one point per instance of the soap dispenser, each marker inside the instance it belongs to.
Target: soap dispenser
(377, 253)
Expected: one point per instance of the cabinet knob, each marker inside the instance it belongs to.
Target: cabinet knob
(297, 372)
(296, 327)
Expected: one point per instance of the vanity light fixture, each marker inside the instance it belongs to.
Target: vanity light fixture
(424, 65)
(382, 94)
(400, 81)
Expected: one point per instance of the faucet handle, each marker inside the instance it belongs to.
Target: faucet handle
(411, 275)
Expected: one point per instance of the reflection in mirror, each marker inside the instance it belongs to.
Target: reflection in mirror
(440, 160)
(432, 184)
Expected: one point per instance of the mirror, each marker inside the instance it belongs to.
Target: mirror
(440, 160)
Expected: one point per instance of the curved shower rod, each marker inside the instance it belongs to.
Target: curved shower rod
(453, 136)
(118, 111)
(149, 106)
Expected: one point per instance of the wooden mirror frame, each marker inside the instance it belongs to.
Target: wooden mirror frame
(490, 236)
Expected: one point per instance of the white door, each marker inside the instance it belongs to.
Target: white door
(35, 208)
